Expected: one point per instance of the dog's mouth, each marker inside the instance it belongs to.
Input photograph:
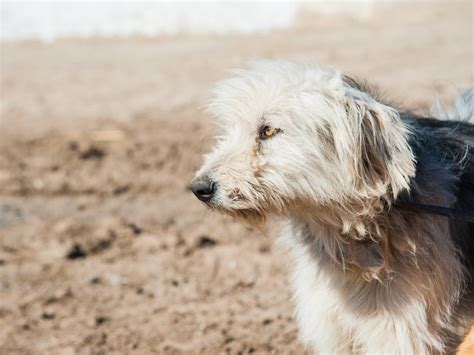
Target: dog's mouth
(235, 204)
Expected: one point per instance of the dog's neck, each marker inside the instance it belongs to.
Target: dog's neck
(359, 234)
(352, 237)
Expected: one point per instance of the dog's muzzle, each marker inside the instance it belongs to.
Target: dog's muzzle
(204, 188)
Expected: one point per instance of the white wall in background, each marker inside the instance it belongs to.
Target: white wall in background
(48, 20)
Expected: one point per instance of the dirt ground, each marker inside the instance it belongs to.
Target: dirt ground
(102, 248)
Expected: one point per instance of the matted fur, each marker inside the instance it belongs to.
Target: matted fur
(368, 276)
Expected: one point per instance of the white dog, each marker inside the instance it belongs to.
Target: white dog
(377, 269)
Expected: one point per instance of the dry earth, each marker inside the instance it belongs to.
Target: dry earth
(102, 249)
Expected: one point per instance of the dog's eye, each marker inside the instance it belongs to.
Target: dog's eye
(266, 132)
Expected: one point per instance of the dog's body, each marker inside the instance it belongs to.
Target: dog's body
(341, 167)
(420, 308)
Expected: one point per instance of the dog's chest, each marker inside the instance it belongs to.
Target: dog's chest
(319, 307)
(330, 323)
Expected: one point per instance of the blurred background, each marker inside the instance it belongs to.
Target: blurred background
(102, 249)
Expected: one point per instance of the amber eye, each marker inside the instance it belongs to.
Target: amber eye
(266, 132)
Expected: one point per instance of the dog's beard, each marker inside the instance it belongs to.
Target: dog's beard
(249, 215)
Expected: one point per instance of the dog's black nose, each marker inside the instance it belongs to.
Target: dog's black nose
(203, 188)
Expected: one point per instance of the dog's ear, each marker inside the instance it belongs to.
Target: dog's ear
(383, 158)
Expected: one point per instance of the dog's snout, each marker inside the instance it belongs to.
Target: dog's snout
(203, 188)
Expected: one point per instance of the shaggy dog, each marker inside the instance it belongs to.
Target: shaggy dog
(375, 203)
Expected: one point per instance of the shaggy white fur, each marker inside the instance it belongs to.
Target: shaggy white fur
(463, 109)
(305, 144)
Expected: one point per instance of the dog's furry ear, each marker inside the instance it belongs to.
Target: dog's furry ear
(384, 162)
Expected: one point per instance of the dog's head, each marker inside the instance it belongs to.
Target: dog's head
(298, 134)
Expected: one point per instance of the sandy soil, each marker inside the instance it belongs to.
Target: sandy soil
(102, 249)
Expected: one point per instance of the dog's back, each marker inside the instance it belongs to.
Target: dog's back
(445, 147)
